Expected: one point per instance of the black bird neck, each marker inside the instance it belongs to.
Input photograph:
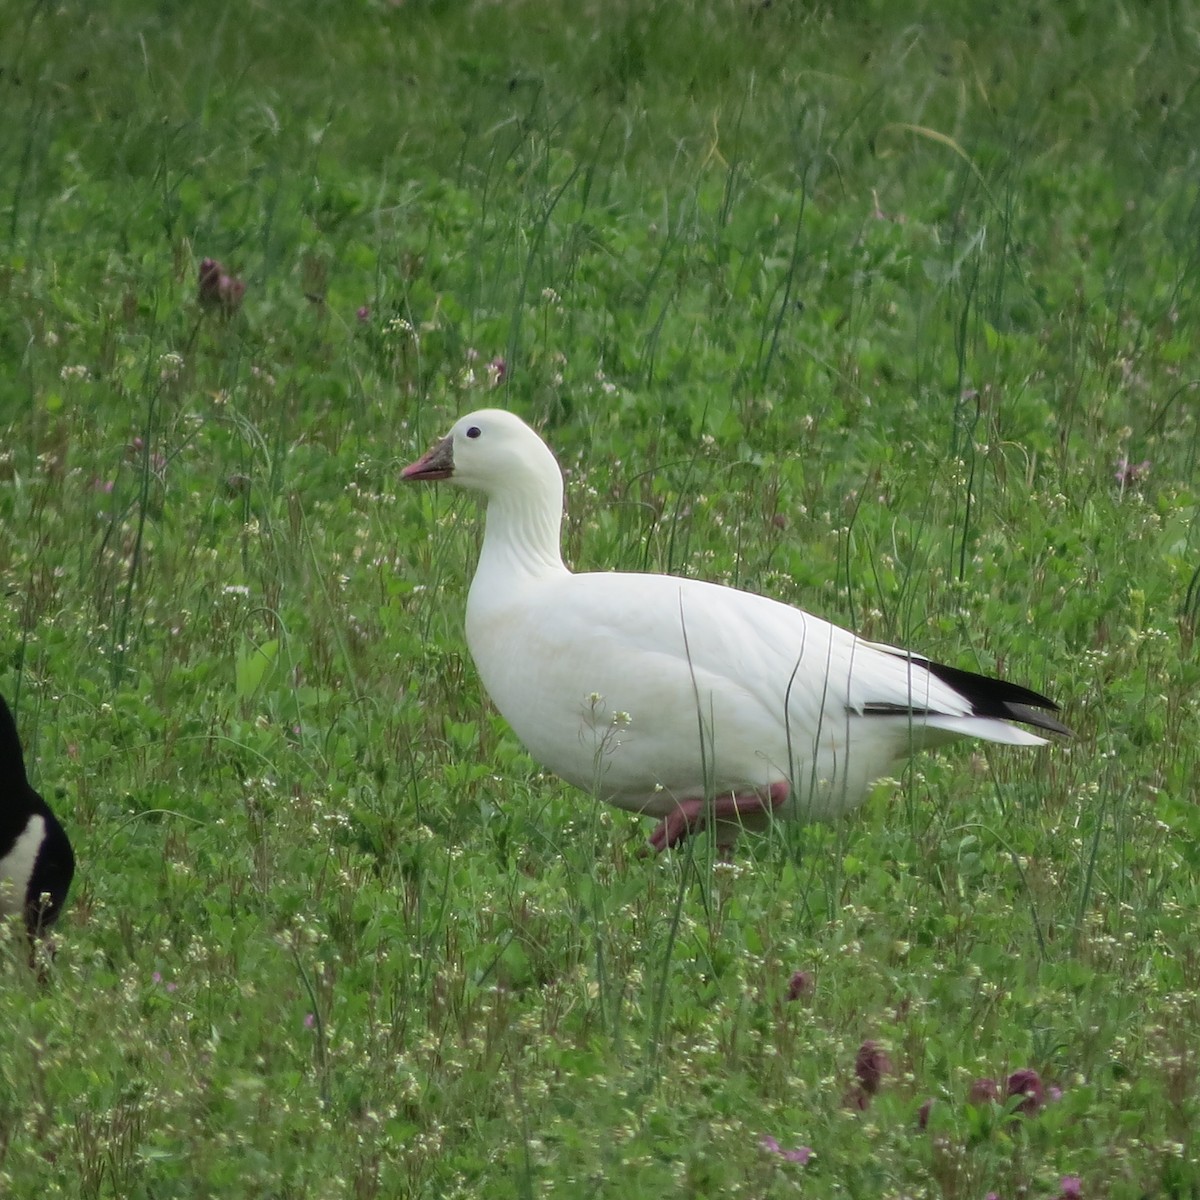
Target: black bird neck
(17, 799)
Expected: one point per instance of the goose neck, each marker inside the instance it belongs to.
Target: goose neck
(522, 535)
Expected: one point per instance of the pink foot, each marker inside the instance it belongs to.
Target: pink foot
(690, 815)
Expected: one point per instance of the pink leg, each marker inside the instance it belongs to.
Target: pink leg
(690, 815)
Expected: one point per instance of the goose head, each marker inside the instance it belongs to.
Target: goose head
(493, 452)
(497, 454)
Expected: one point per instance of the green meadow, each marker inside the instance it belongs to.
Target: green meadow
(885, 310)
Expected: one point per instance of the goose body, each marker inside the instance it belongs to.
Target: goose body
(36, 860)
(660, 694)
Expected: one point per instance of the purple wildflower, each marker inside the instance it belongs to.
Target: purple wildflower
(983, 1091)
(1071, 1187)
(871, 1064)
(923, 1114)
(1026, 1083)
(218, 289)
(309, 1020)
(1127, 473)
(497, 369)
(800, 1155)
(363, 314)
(800, 984)
(210, 278)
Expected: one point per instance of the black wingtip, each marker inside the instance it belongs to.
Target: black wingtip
(991, 697)
(1027, 715)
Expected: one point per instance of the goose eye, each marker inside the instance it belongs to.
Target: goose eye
(474, 431)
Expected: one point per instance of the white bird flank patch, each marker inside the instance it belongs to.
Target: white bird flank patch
(16, 867)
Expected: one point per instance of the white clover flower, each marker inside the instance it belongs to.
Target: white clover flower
(170, 364)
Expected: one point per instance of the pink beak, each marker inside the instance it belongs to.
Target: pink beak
(437, 463)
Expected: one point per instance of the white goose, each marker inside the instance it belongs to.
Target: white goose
(681, 699)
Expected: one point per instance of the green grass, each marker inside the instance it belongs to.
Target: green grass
(860, 307)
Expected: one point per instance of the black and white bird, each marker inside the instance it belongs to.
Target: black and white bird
(683, 699)
(36, 860)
